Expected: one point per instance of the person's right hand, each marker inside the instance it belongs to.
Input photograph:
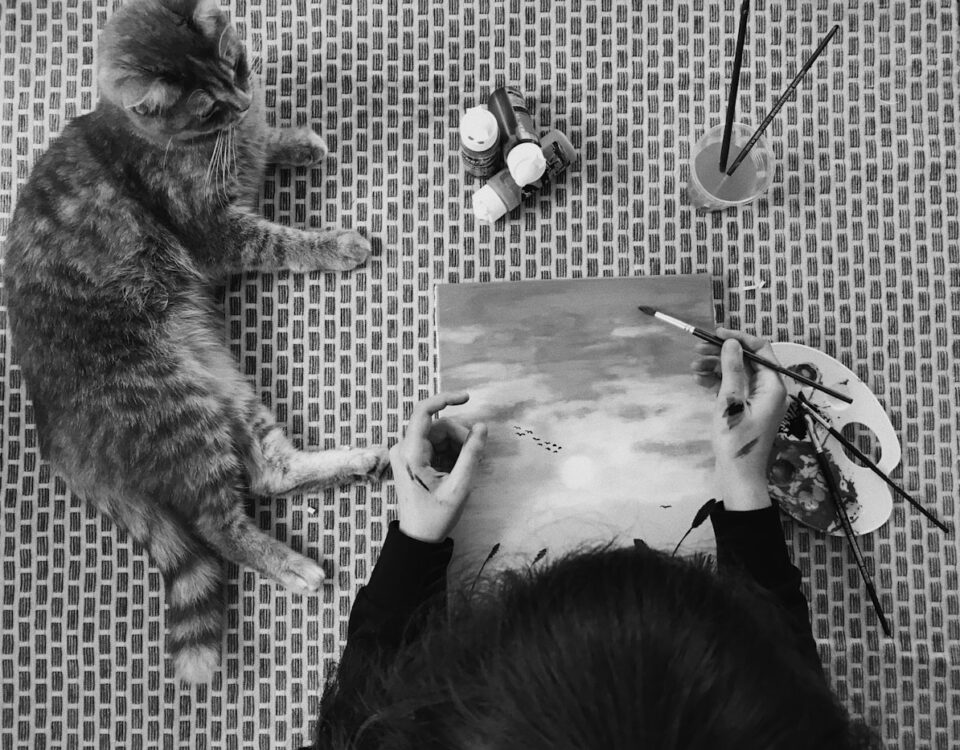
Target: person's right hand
(433, 467)
(750, 405)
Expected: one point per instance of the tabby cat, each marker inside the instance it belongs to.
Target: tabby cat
(115, 240)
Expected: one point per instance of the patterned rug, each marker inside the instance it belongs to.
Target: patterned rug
(857, 246)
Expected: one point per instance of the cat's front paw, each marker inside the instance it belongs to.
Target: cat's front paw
(302, 575)
(299, 148)
(354, 249)
(340, 251)
(369, 463)
(328, 250)
(309, 150)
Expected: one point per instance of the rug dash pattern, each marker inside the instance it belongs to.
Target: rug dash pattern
(858, 242)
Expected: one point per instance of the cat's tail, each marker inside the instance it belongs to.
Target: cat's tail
(193, 575)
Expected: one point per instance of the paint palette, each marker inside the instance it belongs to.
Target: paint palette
(794, 477)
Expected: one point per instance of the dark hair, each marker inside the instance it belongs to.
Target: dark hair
(606, 649)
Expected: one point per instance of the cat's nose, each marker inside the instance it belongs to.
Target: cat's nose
(242, 102)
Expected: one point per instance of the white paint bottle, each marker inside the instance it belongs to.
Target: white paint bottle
(480, 142)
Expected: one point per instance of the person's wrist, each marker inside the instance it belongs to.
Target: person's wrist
(422, 534)
(742, 490)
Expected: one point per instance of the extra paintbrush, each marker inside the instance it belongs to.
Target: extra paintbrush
(717, 341)
(734, 85)
(782, 100)
(867, 462)
(834, 491)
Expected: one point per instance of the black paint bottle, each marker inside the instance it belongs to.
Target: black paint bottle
(518, 135)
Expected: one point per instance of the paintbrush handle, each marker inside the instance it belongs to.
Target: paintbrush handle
(869, 464)
(834, 491)
(706, 336)
(734, 85)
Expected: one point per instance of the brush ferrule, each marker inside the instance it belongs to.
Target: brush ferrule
(674, 322)
(812, 432)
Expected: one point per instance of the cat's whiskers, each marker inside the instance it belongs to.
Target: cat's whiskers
(235, 167)
(223, 136)
(206, 177)
(211, 167)
(163, 162)
(228, 148)
(226, 168)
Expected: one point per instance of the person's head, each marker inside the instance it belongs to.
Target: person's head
(605, 649)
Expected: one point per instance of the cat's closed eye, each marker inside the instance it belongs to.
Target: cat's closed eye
(203, 104)
(207, 113)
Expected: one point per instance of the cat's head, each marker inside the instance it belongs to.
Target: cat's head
(175, 67)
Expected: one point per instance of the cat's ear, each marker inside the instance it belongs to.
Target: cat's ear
(151, 100)
(223, 46)
(208, 17)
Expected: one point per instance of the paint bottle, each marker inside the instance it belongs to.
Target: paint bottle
(502, 194)
(480, 142)
(521, 146)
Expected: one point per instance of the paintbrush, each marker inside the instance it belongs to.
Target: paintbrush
(782, 100)
(834, 491)
(717, 341)
(734, 85)
(802, 400)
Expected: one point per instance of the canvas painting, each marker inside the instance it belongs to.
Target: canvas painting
(598, 432)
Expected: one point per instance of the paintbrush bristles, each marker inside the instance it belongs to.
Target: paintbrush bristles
(648, 310)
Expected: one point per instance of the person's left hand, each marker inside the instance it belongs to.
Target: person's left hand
(433, 467)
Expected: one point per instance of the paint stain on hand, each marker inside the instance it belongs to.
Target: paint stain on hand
(747, 448)
(415, 478)
(734, 413)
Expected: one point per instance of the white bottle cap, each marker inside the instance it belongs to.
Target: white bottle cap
(526, 163)
(478, 129)
(487, 205)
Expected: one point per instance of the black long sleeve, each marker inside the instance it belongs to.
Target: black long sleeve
(751, 543)
(408, 575)
(408, 583)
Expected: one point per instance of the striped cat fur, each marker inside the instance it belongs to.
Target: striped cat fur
(126, 221)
